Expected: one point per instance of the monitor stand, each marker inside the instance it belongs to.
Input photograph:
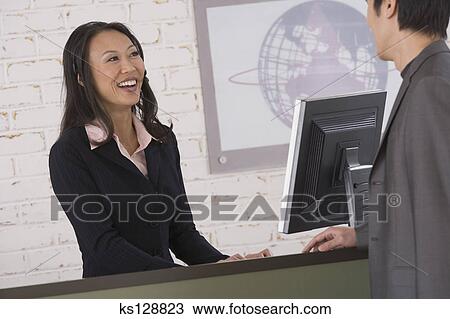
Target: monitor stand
(356, 180)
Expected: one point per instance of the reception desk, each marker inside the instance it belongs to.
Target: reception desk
(338, 274)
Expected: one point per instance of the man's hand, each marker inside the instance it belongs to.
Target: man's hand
(332, 238)
(262, 254)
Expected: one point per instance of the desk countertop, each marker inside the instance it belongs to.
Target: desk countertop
(181, 273)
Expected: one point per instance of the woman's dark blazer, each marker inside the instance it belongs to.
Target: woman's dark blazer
(123, 221)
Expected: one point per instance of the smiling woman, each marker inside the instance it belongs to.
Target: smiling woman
(115, 168)
(100, 59)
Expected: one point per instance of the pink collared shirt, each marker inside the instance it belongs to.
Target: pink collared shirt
(97, 134)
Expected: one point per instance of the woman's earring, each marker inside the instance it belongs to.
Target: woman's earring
(79, 80)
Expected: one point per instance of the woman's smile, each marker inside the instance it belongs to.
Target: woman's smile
(129, 85)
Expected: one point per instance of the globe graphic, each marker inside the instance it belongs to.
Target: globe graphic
(317, 48)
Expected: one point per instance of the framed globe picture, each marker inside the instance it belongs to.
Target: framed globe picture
(257, 58)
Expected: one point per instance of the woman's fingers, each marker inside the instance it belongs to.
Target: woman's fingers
(235, 257)
(266, 252)
(262, 254)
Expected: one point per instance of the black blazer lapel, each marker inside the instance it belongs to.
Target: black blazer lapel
(153, 158)
(111, 152)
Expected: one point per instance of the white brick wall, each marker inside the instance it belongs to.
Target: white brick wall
(179, 102)
(51, 92)
(185, 79)
(59, 3)
(39, 20)
(34, 70)
(13, 263)
(4, 121)
(6, 167)
(157, 78)
(23, 95)
(24, 189)
(79, 15)
(36, 117)
(25, 237)
(149, 33)
(31, 164)
(20, 143)
(168, 57)
(30, 100)
(191, 147)
(51, 43)
(15, 5)
(150, 11)
(178, 32)
(2, 74)
(18, 47)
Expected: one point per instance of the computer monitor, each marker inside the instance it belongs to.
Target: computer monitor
(333, 144)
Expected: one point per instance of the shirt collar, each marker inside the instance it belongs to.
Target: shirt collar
(97, 134)
(143, 136)
(405, 70)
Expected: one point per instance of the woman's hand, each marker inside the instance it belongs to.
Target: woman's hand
(262, 254)
(235, 257)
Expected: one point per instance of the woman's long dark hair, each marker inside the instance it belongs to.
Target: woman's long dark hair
(82, 105)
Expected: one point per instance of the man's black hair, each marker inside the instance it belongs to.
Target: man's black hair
(431, 17)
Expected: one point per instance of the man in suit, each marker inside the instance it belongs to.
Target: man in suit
(408, 242)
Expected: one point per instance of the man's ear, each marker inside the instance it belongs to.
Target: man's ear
(79, 80)
(390, 7)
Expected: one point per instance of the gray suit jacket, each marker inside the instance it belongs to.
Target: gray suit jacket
(408, 242)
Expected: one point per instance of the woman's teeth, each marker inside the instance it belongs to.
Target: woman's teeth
(127, 83)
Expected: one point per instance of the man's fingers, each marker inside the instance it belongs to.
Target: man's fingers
(329, 245)
(316, 247)
(315, 241)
